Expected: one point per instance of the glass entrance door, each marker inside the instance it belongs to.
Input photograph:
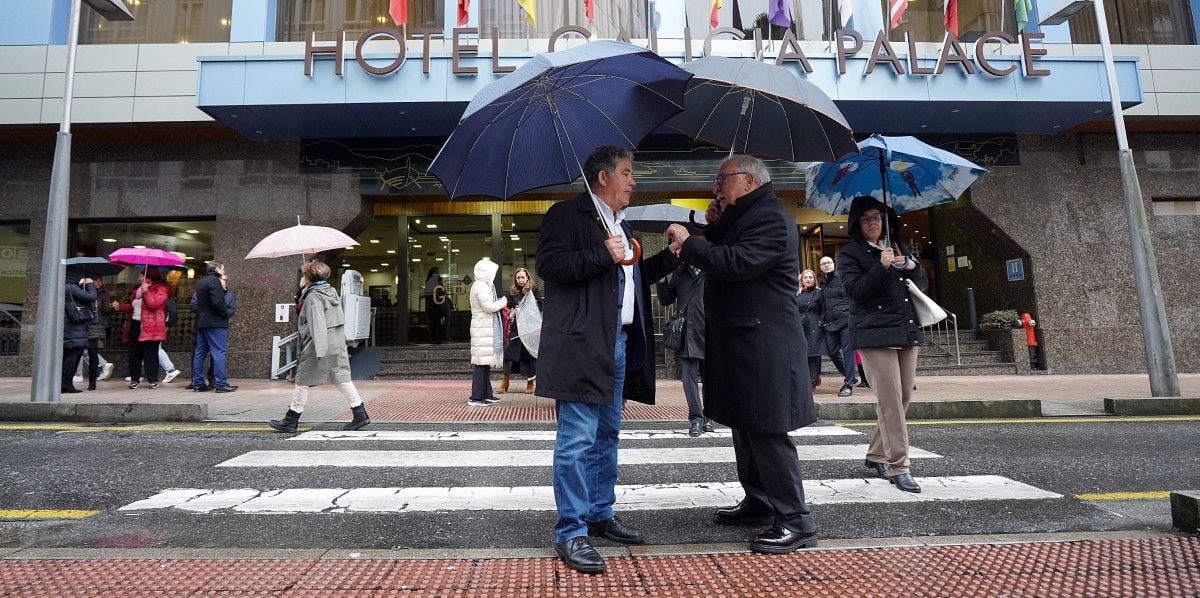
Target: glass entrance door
(442, 253)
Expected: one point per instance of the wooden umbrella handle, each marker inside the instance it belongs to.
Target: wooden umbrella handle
(637, 252)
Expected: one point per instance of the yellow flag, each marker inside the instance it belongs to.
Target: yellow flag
(530, 8)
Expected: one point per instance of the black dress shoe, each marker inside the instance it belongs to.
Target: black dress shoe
(616, 531)
(579, 555)
(201, 388)
(906, 483)
(743, 513)
(781, 540)
(708, 427)
(70, 389)
(880, 469)
(696, 429)
(846, 390)
(226, 388)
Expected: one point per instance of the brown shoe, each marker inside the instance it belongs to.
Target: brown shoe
(503, 388)
(529, 387)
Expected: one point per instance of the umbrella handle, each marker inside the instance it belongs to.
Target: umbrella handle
(637, 252)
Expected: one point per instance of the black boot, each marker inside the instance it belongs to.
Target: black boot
(287, 424)
(360, 420)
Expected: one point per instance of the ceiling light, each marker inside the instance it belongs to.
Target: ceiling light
(440, 259)
(139, 246)
(430, 226)
(515, 237)
(192, 231)
(374, 269)
(345, 265)
(376, 241)
(384, 264)
(417, 221)
(416, 259)
(391, 251)
(416, 246)
(109, 240)
(517, 249)
(453, 251)
(349, 247)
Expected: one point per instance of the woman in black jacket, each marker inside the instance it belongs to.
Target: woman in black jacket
(810, 302)
(517, 358)
(80, 292)
(884, 329)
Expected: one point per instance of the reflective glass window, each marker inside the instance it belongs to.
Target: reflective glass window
(14, 259)
(325, 17)
(1137, 22)
(160, 22)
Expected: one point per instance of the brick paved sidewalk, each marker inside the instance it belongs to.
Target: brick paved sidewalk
(1136, 567)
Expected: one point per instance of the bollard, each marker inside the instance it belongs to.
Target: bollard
(972, 321)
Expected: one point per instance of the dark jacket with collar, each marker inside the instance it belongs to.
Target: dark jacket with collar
(75, 334)
(755, 370)
(212, 311)
(579, 311)
(835, 310)
(881, 314)
(685, 289)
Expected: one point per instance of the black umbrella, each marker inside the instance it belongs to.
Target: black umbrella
(94, 267)
(657, 217)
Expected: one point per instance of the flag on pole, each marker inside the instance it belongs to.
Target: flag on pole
(399, 11)
(712, 19)
(845, 11)
(589, 9)
(1022, 8)
(896, 12)
(950, 16)
(464, 12)
(655, 16)
(529, 7)
(779, 12)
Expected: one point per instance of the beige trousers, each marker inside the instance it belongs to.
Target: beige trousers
(891, 372)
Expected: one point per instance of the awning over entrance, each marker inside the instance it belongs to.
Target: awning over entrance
(270, 97)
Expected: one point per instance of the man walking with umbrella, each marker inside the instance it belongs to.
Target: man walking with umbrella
(755, 371)
(212, 326)
(597, 349)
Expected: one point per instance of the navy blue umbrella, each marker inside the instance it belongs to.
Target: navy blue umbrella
(536, 126)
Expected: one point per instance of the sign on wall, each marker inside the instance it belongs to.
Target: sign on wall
(1016, 269)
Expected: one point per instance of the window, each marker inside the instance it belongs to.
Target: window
(325, 17)
(160, 22)
(1137, 22)
(14, 258)
(925, 21)
(1176, 206)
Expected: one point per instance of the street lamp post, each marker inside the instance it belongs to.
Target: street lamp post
(1160, 355)
(47, 339)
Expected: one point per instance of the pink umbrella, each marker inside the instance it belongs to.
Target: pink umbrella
(145, 256)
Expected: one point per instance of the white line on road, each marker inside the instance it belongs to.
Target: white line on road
(540, 435)
(532, 458)
(541, 498)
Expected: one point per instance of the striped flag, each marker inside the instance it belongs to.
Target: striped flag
(464, 12)
(712, 19)
(589, 9)
(950, 16)
(896, 10)
(399, 11)
(529, 7)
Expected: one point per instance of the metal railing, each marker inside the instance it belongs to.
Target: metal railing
(944, 335)
(287, 345)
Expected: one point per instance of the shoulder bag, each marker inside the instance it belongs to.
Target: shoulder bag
(673, 332)
(77, 312)
(928, 311)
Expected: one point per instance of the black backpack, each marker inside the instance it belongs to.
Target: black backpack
(172, 311)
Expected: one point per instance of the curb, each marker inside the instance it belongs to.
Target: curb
(104, 412)
(1018, 408)
(1185, 511)
(1153, 406)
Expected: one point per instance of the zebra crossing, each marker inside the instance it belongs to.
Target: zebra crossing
(474, 450)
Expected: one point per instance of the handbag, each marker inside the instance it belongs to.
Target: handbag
(673, 332)
(928, 311)
(77, 312)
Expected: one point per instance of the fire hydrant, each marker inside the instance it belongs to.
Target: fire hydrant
(1027, 322)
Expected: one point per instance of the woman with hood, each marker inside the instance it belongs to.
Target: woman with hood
(146, 327)
(323, 355)
(487, 332)
(75, 333)
(884, 329)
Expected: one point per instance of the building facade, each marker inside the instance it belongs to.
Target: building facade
(205, 125)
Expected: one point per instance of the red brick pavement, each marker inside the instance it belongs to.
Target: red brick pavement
(1146, 567)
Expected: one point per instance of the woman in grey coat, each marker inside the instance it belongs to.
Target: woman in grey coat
(323, 355)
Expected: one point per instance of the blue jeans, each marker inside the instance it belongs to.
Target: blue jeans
(585, 457)
(215, 341)
(841, 353)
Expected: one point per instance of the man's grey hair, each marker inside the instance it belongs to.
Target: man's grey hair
(214, 265)
(757, 168)
(604, 159)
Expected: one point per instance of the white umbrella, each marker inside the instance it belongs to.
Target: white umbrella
(299, 240)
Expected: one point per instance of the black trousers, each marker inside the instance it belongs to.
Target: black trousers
(70, 364)
(481, 383)
(93, 361)
(769, 471)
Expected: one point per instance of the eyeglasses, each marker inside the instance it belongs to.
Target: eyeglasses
(873, 218)
(721, 177)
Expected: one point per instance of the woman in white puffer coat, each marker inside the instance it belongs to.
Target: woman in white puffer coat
(487, 336)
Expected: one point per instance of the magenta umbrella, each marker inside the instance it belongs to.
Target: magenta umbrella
(145, 256)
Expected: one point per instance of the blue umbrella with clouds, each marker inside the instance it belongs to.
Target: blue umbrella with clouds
(902, 172)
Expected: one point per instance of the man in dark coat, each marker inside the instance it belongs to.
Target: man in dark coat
(835, 316)
(212, 329)
(685, 290)
(755, 370)
(597, 349)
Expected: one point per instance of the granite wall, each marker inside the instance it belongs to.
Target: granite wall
(251, 189)
(1064, 206)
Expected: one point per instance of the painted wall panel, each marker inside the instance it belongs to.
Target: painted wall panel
(21, 85)
(21, 111)
(166, 83)
(167, 109)
(22, 59)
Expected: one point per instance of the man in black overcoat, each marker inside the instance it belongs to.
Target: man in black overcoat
(597, 349)
(755, 366)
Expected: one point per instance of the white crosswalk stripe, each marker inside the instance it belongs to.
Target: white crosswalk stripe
(541, 498)
(527, 458)
(535, 435)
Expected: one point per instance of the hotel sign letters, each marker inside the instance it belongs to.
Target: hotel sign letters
(850, 44)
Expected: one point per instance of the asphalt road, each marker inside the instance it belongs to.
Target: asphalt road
(103, 470)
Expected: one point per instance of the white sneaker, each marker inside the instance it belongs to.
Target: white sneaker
(127, 378)
(77, 379)
(171, 375)
(478, 404)
(107, 373)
